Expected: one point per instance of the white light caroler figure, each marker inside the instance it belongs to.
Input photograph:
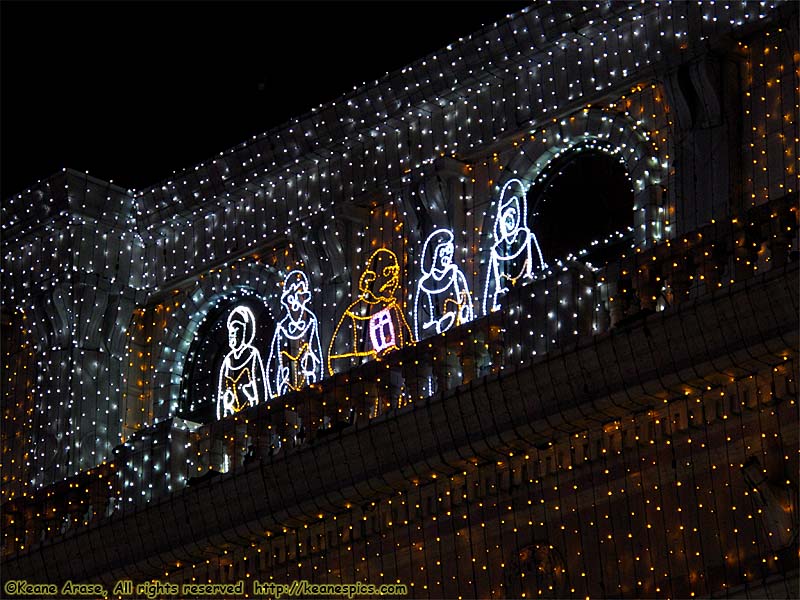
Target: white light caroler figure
(512, 253)
(443, 299)
(241, 376)
(295, 355)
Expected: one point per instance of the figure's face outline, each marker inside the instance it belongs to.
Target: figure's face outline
(241, 327)
(295, 300)
(390, 272)
(236, 332)
(509, 222)
(380, 280)
(443, 256)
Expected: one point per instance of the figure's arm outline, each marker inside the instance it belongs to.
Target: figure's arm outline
(263, 388)
(529, 251)
(428, 303)
(273, 364)
(416, 308)
(461, 284)
(492, 281)
(317, 346)
(220, 388)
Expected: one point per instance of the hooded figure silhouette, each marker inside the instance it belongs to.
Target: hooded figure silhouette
(241, 375)
(512, 253)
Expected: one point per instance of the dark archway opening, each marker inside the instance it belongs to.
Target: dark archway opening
(198, 398)
(582, 205)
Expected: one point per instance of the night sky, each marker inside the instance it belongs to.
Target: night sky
(133, 92)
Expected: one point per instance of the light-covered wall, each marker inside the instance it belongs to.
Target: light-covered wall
(90, 271)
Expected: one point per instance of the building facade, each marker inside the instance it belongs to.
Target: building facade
(519, 320)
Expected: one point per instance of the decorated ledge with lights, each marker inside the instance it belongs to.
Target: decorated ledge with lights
(520, 319)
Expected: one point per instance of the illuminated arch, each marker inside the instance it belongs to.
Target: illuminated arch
(226, 285)
(612, 133)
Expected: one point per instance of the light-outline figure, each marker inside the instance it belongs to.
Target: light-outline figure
(242, 361)
(443, 299)
(295, 354)
(510, 229)
(374, 324)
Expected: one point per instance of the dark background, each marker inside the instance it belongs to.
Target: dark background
(132, 92)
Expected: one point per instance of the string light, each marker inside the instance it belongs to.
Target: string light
(443, 299)
(241, 376)
(295, 357)
(560, 423)
(375, 323)
(512, 257)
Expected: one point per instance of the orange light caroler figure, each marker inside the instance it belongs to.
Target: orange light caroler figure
(374, 324)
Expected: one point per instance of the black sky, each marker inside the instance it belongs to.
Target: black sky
(133, 92)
